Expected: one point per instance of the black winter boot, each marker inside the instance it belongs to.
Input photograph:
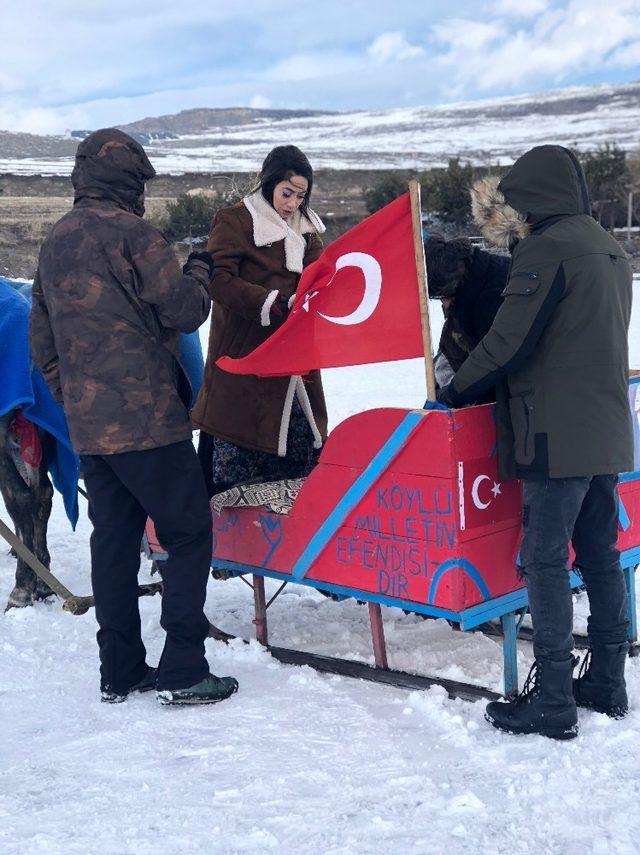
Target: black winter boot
(211, 690)
(146, 684)
(545, 705)
(600, 684)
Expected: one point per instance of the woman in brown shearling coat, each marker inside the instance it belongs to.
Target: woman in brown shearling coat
(257, 429)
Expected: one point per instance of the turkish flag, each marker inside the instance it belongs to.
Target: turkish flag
(357, 303)
(486, 499)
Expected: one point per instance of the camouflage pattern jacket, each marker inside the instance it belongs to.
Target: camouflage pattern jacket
(109, 301)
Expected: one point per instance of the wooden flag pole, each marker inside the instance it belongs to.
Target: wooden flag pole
(423, 291)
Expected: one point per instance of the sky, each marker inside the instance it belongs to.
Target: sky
(66, 65)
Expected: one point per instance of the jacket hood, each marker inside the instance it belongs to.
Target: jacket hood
(112, 165)
(546, 182)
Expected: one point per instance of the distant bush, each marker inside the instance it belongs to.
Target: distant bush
(190, 216)
(445, 192)
(610, 180)
(384, 191)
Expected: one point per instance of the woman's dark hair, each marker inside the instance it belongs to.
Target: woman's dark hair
(448, 262)
(280, 164)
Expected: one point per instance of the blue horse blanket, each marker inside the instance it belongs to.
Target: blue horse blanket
(192, 362)
(22, 385)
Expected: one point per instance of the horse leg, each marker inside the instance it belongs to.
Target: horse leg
(16, 494)
(17, 499)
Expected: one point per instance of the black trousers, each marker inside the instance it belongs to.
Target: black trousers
(585, 512)
(167, 485)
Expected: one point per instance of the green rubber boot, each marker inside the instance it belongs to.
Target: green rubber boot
(148, 682)
(211, 690)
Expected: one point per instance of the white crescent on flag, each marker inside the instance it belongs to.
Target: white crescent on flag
(482, 498)
(355, 321)
(475, 491)
(372, 288)
(475, 494)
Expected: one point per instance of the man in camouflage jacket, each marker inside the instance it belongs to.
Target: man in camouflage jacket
(109, 302)
(558, 351)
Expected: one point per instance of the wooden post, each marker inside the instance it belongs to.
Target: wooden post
(423, 292)
(34, 563)
(260, 607)
(377, 635)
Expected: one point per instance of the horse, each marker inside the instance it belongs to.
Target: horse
(27, 493)
(35, 449)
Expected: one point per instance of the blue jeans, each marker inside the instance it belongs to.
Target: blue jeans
(585, 512)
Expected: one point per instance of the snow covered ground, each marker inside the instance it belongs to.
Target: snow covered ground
(295, 762)
(484, 132)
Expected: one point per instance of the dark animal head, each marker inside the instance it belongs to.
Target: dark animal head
(448, 262)
(112, 165)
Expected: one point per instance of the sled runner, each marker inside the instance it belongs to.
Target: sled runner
(406, 509)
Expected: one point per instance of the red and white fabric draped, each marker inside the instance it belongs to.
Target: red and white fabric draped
(358, 303)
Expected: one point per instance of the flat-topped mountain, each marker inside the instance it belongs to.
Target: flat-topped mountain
(199, 121)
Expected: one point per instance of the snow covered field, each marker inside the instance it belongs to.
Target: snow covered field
(484, 132)
(295, 762)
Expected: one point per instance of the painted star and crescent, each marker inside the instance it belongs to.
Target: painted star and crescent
(475, 491)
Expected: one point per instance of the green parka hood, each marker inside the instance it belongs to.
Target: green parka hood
(547, 181)
(545, 184)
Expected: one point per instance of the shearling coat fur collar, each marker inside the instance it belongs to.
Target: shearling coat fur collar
(269, 227)
(498, 221)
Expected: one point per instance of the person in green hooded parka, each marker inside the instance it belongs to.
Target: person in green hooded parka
(557, 353)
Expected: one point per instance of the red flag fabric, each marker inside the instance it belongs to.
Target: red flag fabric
(357, 303)
(486, 499)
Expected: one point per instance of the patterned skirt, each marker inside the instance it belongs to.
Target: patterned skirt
(226, 464)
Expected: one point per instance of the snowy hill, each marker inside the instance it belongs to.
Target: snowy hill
(491, 131)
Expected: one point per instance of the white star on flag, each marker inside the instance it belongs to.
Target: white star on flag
(496, 489)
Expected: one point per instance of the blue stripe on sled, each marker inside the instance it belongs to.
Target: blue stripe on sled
(355, 493)
(623, 516)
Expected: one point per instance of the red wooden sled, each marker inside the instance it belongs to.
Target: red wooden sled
(406, 509)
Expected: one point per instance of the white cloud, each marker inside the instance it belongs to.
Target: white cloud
(312, 65)
(259, 102)
(115, 61)
(393, 46)
(560, 43)
(628, 55)
(468, 37)
(520, 8)
(46, 120)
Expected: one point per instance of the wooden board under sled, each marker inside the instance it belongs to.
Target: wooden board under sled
(371, 673)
